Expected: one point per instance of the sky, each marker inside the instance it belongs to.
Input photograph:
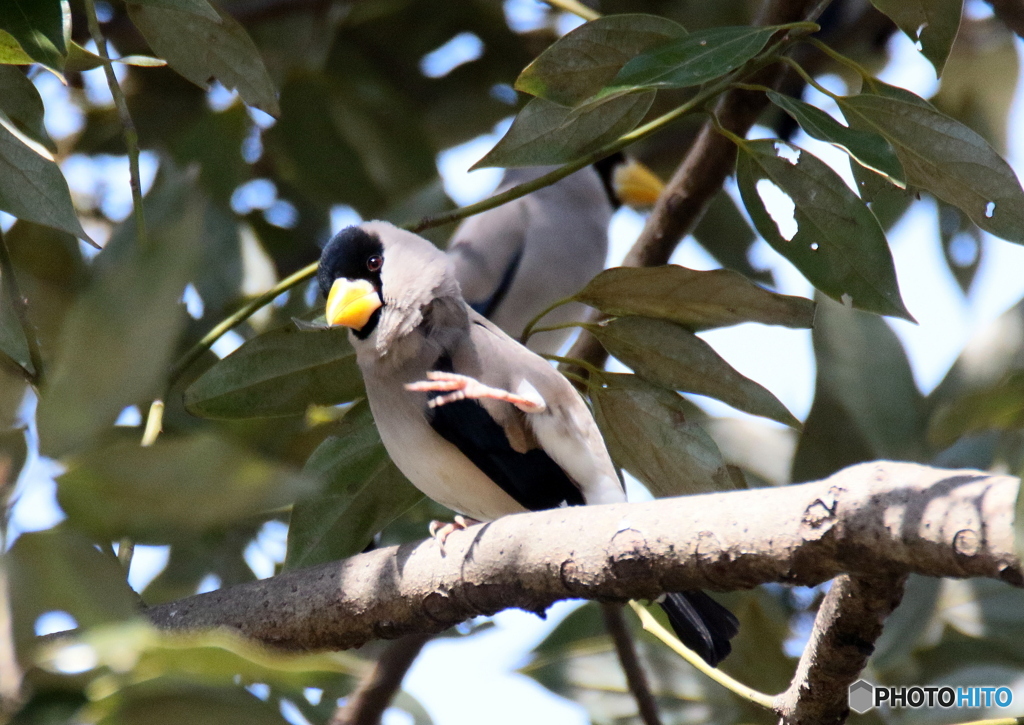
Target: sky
(458, 678)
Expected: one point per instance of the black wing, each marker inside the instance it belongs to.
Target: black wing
(533, 479)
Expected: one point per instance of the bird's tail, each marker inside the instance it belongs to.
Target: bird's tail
(702, 624)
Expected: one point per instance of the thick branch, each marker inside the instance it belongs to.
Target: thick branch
(703, 170)
(374, 693)
(849, 621)
(870, 520)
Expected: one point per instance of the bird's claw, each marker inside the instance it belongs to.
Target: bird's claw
(463, 387)
(440, 530)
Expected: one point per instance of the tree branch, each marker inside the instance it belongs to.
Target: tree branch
(636, 678)
(848, 623)
(374, 693)
(868, 520)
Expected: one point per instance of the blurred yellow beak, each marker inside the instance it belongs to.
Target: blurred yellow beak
(636, 185)
(351, 303)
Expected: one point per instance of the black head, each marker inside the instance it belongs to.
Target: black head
(606, 169)
(352, 254)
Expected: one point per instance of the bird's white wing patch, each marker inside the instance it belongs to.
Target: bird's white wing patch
(527, 391)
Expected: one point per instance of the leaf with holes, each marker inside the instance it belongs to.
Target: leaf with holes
(582, 62)
(673, 357)
(547, 133)
(364, 492)
(693, 59)
(932, 24)
(696, 299)
(866, 147)
(281, 372)
(838, 244)
(201, 48)
(946, 158)
(647, 433)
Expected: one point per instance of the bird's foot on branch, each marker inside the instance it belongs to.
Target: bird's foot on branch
(463, 387)
(440, 531)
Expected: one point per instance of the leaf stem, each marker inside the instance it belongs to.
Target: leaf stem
(653, 626)
(807, 77)
(154, 423)
(740, 142)
(575, 7)
(576, 362)
(10, 282)
(528, 330)
(839, 58)
(131, 136)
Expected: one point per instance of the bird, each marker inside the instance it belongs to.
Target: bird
(516, 260)
(475, 420)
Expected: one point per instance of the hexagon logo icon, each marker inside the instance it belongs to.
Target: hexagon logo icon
(862, 696)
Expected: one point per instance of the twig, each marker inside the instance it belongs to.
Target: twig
(575, 7)
(653, 626)
(131, 136)
(374, 693)
(849, 621)
(703, 170)
(18, 302)
(636, 678)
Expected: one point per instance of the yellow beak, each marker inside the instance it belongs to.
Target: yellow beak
(636, 185)
(351, 303)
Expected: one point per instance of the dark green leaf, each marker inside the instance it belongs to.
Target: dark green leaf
(61, 570)
(281, 372)
(160, 702)
(201, 8)
(12, 334)
(200, 48)
(215, 143)
(117, 340)
(583, 61)
(946, 158)
(698, 300)
(647, 433)
(932, 24)
(693, 59)
(547, 133)
(173, 489)
(20, 100)
(31, 184)
(905, 627)
(1000, 407)
(40, 27)
(887, 202)
(13, 454)
(672, 356)
(838, 244)
(867, 148)
(866, 404)
(962, 244)
(364, 493)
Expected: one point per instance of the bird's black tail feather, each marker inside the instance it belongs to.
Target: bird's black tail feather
(702, 624)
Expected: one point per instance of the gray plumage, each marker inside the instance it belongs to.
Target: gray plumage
(534, 251)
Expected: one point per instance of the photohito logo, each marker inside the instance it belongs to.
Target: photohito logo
(864, 696)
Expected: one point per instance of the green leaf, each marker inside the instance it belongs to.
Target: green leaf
(865, 147)
(866, 403)
(11, 52)
(959, 235)
(80, 59)
(12, 335)
(931, 24)
(672, 356)
(698, 300)
(838, 244)
(169, 702)
(905, 628)
(117, 340)
(726, 235)
(1000, 407)
(582, 62)
(13, 454)
(31, 184)
(946, 158)
(546, 133)
(693, 59)
(281, 372)
(200, 48)
(20, 101)
(40, 27)
(364, 492)
(61, 570)
(647, 433)
(174, 489)
(202, 8)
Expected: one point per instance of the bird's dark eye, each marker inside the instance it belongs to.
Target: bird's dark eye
(374, 263)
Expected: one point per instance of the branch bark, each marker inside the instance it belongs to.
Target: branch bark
(869, 520)
(374, 693)
(849, 622)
